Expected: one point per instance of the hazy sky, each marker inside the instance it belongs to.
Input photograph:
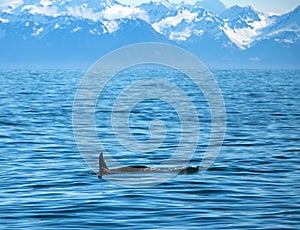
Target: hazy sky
(274, 6)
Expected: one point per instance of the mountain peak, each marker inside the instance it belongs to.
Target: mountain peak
(215, 6)
(109, 3)
(236, 11)
(158, 3)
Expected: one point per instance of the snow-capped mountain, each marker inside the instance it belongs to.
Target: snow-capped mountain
(244, 25)
(76, 30)
(286, 22)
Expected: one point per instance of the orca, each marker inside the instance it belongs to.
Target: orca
(103, 169)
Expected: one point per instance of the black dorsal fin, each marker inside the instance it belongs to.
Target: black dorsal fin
(102, 166)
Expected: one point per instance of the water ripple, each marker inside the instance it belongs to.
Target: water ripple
(253, 184)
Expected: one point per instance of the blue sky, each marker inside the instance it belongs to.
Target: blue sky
(274, 6)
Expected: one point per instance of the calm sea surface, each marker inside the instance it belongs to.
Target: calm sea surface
(253, 184)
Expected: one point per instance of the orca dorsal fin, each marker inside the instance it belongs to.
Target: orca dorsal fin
(102, 166)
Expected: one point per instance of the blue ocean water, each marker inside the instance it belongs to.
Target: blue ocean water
(253, 184)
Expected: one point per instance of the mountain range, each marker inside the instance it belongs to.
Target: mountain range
(67, 33)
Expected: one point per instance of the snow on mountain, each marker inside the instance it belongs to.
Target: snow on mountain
(42, 8)
(119, 11)
(198, 30)
(158, 10)
(171, 22)
(287, 22)
(105, 11)
(237, 15)
(243, 25)
(279, 29)
(9, 5)
(94, 10)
